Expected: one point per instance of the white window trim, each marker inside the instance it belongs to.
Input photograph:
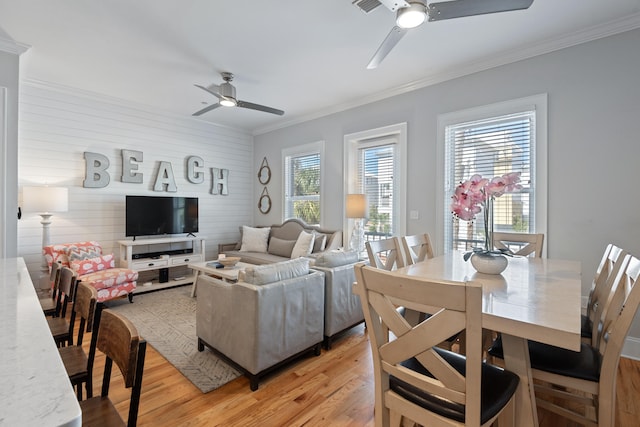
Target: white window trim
(540, 160)
(356, 140)
(301, 150)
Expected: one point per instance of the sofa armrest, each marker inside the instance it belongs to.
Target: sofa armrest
(226, 247)
(258, 326)
(342, 308)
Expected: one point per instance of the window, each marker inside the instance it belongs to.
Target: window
(375, 165)
(492, 141)
(303, 182)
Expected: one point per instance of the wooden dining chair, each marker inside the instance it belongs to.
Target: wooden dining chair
(61, 327)
(78, 364)
(385, 254)
(121, 343)
(48, 303)
(600, 291)
(581, 386)
(415, 381)
(417, 248)
(519, 243)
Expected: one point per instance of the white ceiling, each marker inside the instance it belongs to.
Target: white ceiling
(307, 58)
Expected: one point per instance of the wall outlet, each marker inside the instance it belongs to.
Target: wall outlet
(414, 215)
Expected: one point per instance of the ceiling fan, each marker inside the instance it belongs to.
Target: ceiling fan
(412, 13)
(226, 94)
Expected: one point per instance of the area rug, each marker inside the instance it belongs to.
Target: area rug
(167, 320)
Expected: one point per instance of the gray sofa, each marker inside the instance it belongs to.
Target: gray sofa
(284, 234)
(342, 309)
(273, 314)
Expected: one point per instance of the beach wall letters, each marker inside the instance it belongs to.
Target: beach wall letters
(97, 172)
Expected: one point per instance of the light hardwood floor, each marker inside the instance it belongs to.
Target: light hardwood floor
(334, 389)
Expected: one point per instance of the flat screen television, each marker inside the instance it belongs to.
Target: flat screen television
(153, 216)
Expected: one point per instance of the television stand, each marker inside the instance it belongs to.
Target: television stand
(165, 258)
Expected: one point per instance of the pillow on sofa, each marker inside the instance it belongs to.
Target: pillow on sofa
(91, 265)
(319, 242)
(303, 246)
(254, 239)
(336, 258)
(281, 247)
(269, 273)
(82, 251)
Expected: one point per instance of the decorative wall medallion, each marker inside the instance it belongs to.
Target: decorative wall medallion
(264, 173)
(264, 203)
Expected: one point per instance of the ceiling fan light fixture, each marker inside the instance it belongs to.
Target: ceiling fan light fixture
(412, 16)
(228, 102)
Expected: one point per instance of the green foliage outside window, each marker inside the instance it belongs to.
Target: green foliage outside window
(307, 183)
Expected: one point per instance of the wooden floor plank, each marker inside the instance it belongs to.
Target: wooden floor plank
(334, 389)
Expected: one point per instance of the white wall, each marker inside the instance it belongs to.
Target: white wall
(9, 82)
(594, 147)
(58, 125)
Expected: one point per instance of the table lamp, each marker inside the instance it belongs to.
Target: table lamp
(357, 208)
(44, 201)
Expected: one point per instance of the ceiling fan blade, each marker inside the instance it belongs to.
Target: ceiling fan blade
(389, 42)
(252, 106)
(210, 90)
(206, 109)
(460, 8)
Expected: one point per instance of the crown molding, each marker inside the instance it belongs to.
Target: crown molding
(628, 23)
(9, 45)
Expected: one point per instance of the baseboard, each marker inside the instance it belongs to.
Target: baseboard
(631, 348)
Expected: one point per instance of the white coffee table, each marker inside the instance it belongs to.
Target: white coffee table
(228, 274)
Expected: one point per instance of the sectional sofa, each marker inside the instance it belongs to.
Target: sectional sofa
(276, 243)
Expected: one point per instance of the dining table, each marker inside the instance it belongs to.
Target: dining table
(532, 299)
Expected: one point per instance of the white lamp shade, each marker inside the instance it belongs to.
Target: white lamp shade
(45, 199)
(357, 206)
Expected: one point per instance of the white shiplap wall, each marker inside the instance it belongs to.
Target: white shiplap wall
(58, 125)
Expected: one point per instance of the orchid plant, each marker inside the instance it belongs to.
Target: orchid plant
(476, 195)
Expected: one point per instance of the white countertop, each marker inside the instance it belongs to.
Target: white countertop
(34, 387)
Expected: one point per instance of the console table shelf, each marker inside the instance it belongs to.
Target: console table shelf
(165, 255)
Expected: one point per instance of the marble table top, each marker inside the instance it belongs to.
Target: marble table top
(34, 386)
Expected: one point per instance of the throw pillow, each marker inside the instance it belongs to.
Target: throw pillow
(269, 273)
(319, 242)
(80, 252)
(281, 247)
(91, 265)
(254, 239)
(336, 258)
(303, 246)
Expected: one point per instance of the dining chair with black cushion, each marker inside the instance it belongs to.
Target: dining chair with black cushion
(523, 244)
(60, 327)
(600, 291)
(78, 364)
(415, 381)
(581, 386)
(417, 248)
(385, 254)
(119, 340)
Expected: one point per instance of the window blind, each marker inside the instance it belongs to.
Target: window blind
(376, 180)
(491, 147)
(302, 187)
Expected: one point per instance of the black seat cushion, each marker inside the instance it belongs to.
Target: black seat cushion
(584, 365)
(586, 327)
(498, 386)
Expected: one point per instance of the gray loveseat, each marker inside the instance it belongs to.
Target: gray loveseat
(281, 240)
(272, 315)
(342, 308)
